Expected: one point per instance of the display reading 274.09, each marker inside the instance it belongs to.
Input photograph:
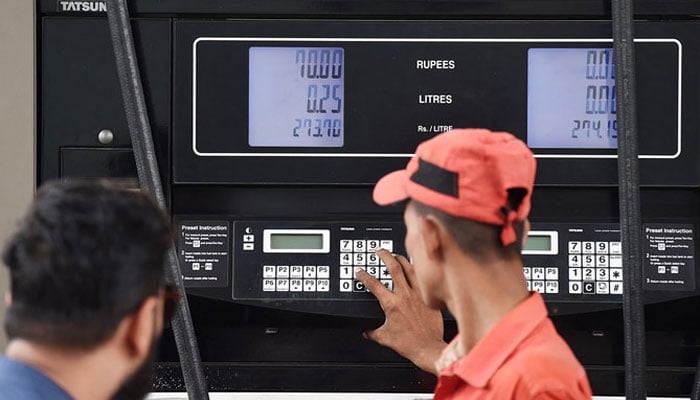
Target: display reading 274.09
(571, 98)
(296, 97)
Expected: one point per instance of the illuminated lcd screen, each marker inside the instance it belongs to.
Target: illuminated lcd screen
(571, 98)
(538, 243)
(296, 97)
(287, 241)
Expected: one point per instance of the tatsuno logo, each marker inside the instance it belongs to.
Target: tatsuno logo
(82, 6)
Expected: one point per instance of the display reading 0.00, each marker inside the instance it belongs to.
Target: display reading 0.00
(571, 98)
(296, 97)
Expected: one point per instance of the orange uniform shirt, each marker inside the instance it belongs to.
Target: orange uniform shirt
(522, 357)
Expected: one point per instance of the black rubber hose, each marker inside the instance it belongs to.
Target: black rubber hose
(149, 180)
(630, 215)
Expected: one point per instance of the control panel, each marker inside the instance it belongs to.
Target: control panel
(310, 260)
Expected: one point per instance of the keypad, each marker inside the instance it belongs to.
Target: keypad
(296, 278)
(358, 254)
(595, 267)
(542, 279)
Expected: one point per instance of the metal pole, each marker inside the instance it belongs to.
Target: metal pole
(149, 180)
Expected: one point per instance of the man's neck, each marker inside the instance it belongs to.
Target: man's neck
(82, 374)
(481, 295)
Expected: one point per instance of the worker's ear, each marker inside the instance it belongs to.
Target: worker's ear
(8, 299)
(433, 237)
(139, 329)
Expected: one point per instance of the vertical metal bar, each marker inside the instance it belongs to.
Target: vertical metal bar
(630, 215)
(149, 180)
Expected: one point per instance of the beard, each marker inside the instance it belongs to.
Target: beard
(140, 383)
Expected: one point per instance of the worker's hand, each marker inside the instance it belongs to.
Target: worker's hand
(411, 328)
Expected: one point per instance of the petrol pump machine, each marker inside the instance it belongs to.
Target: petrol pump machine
(272, 129)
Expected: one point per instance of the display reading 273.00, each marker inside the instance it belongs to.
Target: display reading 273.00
(296, 97)
(571, 98)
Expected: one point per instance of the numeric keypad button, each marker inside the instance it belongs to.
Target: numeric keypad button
(575, 247)
(359, 246)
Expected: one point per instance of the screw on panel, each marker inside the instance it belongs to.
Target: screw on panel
(105, 136)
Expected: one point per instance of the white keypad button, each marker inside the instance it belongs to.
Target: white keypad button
(615, 287)
(384, 273)
(616, 274)
(575, 287)
(551, 273)
(575, 274)
(372, 245)
(551, 287)
(296, 271)
(374, 271)
(296, 285)
(589, 274)
(615, 261)
(388, 284)
(346, 273)
(248, 238)
(346, 246)
(538, 273)
(309, 285)
(602, 274)
(575, 247)
(269, 285)
(601, 261)
(309, 271)
(601, 247)
(269, 271)
(372, 259)
(323, 272)
(602, 288)
(359, 259)
(323, 285)
(248, 246)
(588, 247)
(359, 245)
(283, 271)
(538, 286)
(387, 245)
(283, 285)
(346, 259)
(574, 260)
(588, 261)
(346, 285)
(615, 248)
(526, 272)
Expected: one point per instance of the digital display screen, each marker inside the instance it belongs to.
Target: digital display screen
(571, 98)
(296, 97)
(538, 243)
(289, 241)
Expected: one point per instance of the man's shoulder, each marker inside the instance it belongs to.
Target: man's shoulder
(20, 381)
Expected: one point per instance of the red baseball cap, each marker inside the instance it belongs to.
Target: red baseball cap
(466, 173)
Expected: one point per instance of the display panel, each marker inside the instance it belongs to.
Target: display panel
(571, 98)
(538, 243)
(296, 97)
(291, 241)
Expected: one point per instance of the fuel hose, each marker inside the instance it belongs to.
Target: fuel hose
(149, 181)
(630, 215)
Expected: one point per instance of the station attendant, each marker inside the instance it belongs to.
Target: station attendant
(467, 197)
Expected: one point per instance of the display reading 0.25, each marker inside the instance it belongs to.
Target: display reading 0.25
(296, 96)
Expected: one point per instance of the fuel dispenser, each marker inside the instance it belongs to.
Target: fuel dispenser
(272, 121)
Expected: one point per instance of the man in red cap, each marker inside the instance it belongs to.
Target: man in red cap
(468, 196)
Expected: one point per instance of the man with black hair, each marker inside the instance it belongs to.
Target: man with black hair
(467, 194)
(87, 299)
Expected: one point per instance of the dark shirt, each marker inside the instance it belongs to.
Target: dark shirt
(19, 381)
